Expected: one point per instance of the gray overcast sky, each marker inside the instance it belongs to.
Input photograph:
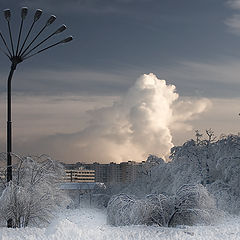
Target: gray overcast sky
(190, 43)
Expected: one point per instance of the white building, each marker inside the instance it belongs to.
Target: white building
(79, 175)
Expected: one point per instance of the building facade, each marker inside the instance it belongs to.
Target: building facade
(112, 173)
(79, 175)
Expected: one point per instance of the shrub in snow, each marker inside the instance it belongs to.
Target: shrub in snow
(191, 204)
(33, 194)
(162, 207)
(225, 197)
(125, 210)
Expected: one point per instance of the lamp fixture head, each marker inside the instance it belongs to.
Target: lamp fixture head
(37, 15)
(68, 39)
(7, 14)
(50, 20)
(24, 12)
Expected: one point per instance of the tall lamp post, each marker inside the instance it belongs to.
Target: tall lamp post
(16, 53)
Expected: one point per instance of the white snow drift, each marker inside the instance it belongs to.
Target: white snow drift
(90, 224)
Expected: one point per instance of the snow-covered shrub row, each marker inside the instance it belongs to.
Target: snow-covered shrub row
(33, 194)
(214, 164)
(191, 204)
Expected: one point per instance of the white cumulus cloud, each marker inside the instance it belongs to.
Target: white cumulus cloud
(138, 124)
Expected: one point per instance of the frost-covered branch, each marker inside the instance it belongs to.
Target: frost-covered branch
(33, 194)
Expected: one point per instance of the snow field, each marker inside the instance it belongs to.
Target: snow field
(90, 224)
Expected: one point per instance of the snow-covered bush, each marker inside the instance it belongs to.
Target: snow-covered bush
(192, 204)
(225, 199)
(214, 164)
(125, 210)
(33, 194)
(118, 210)
(162, 208)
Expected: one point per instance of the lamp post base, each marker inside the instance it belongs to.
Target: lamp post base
(10, 223)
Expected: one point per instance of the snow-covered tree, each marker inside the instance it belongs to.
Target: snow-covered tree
(214, 164)
(33, 194)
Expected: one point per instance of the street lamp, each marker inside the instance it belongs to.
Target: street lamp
(23, 52)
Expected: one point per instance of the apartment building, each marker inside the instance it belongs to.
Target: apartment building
(80, 175)
(130, 171)
(125, 172)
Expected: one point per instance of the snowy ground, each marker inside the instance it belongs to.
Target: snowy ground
(90, 224)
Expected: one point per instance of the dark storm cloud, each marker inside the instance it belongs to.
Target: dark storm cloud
(71, 82)
(192, 79)
(97, 6)
(149, 33)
